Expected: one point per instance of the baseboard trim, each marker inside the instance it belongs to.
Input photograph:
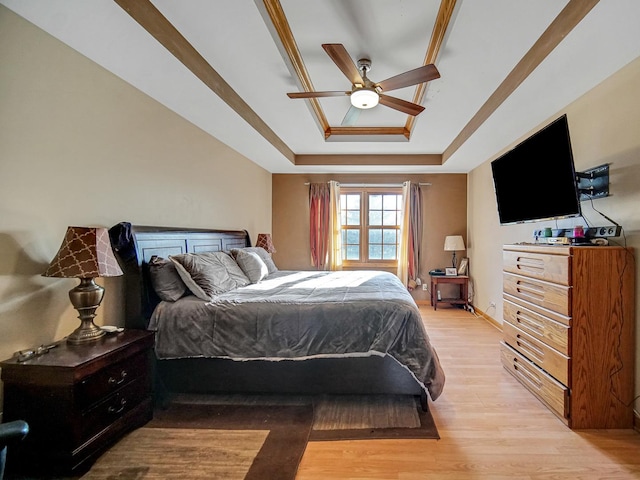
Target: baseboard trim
(492, 321)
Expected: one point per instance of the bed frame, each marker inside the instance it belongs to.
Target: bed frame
(135, 245)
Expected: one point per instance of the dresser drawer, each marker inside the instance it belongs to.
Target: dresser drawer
(551, 268)
(551, 392)
(95, 387)
(550, 360)
(542, 328)
(548, 295)
(100, 416)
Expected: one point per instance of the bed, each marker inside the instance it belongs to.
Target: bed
(293, 332)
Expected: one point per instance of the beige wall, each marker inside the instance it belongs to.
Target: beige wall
(78, 146)
(604, 125)
(444, 213)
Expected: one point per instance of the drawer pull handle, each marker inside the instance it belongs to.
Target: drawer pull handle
(118, 381)
(528, 377)
(526, 343)
(529, 323)
(118, 408)
(530, 265)
(531, 350)
(528, 289)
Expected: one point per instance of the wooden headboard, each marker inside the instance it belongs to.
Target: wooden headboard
(134, 246)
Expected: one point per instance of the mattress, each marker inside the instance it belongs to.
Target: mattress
(298, 315)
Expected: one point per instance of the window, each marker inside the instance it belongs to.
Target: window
(370, 220)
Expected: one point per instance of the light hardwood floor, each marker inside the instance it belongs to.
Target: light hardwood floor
(490, 426)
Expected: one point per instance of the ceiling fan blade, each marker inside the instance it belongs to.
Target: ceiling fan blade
(351, 118)
(412, 77)
(402, 105)
(343, 60)
(317, 94)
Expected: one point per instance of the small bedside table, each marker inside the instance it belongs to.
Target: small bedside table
(78, 400)
(461, 280)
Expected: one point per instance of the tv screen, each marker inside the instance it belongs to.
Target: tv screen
(536, 180)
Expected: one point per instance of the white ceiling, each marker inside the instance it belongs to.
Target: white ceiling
(484, 41)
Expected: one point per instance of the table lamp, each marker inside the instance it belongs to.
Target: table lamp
(264, 241)
(85, 254)
(452, 243)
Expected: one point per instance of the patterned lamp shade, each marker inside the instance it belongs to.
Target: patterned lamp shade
(264, 241)
(85, 253)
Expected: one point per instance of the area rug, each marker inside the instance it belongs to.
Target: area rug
(159, 453)
(355, 417)
(254, 436)
(205, 441)
(341, 417)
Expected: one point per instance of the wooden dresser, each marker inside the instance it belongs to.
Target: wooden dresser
(568, 331)
(78, 400)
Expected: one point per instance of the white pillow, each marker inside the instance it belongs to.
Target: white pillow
(252, 265)
(210, 273)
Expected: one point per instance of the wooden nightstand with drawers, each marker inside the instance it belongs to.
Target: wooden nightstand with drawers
(78, 400)
(568, 331)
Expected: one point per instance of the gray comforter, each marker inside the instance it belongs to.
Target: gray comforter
(300, 315)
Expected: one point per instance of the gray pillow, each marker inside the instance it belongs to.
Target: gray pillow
(165, 279)
(252, 265)
(262, 253)
(210, 273)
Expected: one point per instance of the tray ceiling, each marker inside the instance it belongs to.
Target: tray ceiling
(227, 66)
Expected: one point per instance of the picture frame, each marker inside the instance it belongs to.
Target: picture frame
(451, 272)
(464, 266)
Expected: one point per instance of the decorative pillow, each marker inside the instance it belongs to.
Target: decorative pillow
(262, 253)
(165, 279)
(252, 265)
(210, 273)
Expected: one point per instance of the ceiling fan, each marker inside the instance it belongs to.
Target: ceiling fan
(366, 94)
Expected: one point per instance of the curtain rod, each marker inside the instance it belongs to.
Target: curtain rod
(363, 185)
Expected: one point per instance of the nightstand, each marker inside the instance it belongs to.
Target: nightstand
(78, 400)
(461, 280)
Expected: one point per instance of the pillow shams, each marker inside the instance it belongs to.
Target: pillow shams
(252, 265)
(210, 273)
(262, 253)
(165, 279)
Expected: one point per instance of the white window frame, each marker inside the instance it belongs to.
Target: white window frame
(364, 227)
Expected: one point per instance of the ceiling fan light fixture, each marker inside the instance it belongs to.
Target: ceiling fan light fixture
(364, 98)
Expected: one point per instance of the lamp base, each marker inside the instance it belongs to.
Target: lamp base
(86, 299)
(85, 334)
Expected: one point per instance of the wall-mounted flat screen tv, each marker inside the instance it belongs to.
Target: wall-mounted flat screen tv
(536, 180)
